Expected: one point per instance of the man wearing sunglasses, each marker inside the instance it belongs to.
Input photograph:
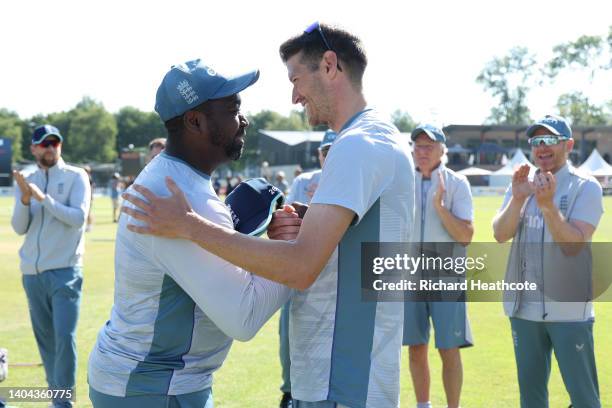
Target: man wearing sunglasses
(51, 207)
(543, 214)
(345, 351)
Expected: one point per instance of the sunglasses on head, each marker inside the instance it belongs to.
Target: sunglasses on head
(548, 140)
(49, 142)
(317, 27)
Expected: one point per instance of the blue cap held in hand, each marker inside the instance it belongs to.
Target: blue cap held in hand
(251, 204)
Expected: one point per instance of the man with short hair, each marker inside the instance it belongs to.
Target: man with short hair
(51, 207)
(177, 307)
(301, 192)
(444, 213)
(549, 217)
(345, 351)
(156, 146)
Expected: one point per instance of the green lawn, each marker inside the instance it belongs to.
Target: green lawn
(251, 375)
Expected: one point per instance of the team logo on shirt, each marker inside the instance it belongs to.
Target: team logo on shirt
(534, 221)
(60, 188)
(563, 204)
(579, 347)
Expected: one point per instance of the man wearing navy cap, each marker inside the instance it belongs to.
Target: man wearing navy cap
(444, 213)
(345, 351)
(540, 213)
(51, 207)
(177, 307)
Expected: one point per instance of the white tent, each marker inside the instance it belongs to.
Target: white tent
(517, 160)
(503, 176)
(596, 166)
(474, 171)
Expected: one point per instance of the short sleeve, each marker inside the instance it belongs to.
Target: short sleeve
(588, 206)
(357, 170)
(462, 207)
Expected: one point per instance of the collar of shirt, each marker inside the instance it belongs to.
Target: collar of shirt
(434, 172)
(176, 159)
(560, 174)
(434, 175)
(51, 171)
(353, 119)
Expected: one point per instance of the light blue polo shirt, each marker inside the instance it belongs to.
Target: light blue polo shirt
(344, 349)
(176, 306)
(303, 187)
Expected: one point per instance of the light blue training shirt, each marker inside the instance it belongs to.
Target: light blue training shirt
(176, 306)
(303, 187)
(344, 349)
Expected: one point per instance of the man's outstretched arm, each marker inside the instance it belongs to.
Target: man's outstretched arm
(296, 264)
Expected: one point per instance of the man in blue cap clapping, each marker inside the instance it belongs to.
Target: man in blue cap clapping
(550, 216)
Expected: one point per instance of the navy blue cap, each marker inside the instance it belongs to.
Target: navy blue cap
(435, 134)
(252, 203)
(557, 125)
(44, 131)
(191, 84)
(328, 138)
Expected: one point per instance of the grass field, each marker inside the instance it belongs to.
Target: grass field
(250, 376)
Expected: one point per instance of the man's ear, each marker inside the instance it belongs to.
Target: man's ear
(330, 62)
(194, 121)
(570, 145)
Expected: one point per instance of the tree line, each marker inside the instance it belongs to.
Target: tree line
(511, 77)
(92, 134)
